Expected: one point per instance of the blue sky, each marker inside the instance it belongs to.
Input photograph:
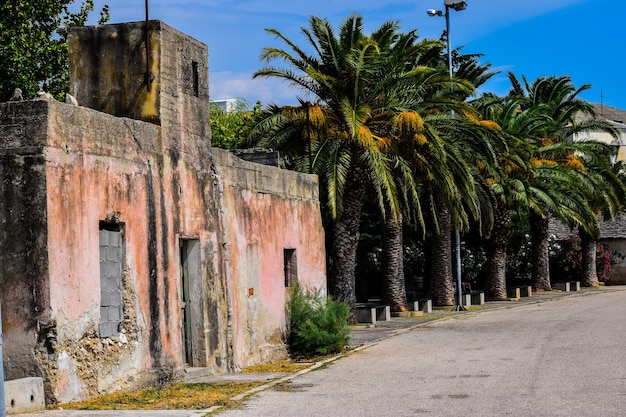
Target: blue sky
(585, 39)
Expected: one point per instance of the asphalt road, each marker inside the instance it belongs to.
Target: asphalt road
(559, 358)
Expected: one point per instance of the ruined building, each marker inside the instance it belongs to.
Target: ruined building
(129, 248)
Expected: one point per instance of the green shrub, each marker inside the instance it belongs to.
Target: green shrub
(317, 325)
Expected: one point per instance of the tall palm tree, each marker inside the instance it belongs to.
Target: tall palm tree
(466, 147)
(606, 196)
(509, 184)
(559, 100)
(359, 80)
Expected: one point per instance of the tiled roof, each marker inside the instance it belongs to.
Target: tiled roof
(612, 229)
(611, 114)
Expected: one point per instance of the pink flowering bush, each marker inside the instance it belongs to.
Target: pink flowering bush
(567, 261)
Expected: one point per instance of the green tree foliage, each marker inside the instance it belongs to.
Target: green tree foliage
(317, 324)
(229, 128)
(32, 55)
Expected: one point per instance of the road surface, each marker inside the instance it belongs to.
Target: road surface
(559, 358)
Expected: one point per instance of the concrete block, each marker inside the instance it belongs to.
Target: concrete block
(424, 305)
(477, 298)
(110, 269)
(526, 291)
(113, 254)
(365, 315)
(107, 329)
(113, 314)
(513, 292)
(24, 395)
(568, 286)
(372, 314)
(384, 313)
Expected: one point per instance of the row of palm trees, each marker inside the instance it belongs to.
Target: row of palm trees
(382, 119)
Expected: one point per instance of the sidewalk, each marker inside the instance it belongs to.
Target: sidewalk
(362, 336)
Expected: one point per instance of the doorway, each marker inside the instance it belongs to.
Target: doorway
(191, 315)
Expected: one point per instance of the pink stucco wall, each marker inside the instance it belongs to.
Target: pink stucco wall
(76, 166)
(269, 210)
(96, 168)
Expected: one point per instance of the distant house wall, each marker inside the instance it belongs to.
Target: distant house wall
(612, 235)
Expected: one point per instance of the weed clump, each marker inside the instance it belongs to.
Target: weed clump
(317, 325)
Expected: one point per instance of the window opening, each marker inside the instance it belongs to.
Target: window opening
(196, 79)
(291, 267)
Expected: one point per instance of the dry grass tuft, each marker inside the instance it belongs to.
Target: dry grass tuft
(175, 397)
(198, 396)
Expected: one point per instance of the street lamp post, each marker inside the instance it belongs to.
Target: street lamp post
(457, 5)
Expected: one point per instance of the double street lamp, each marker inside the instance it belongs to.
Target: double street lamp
(456, 5)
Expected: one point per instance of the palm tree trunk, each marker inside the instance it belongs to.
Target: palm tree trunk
(539, 238)
(394, 288)
(346, 240)
(589, 271)
(441, 291)
(496, 246)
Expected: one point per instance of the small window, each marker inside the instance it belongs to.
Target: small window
(196, 79)
(291, 267)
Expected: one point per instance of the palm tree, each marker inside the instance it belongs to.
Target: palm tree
(359, 81)
(466, 145)
(509, 184)
(559, 101)
(606, 196)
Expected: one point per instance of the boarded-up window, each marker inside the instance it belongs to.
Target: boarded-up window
(111, 301)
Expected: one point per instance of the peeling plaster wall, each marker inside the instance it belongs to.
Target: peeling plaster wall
(66, 169)
(267, 210)
(187, 206)
(94, 165)
(98, 165)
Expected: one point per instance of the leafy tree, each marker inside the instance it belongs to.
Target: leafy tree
(229, 128)
(32, 55)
